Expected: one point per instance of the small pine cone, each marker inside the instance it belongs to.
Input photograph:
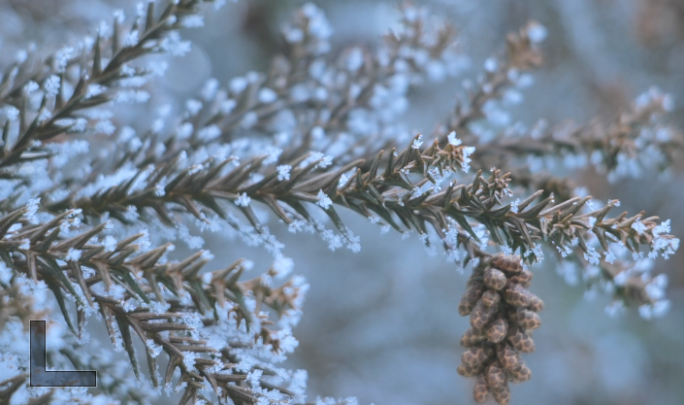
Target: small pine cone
(473, 371)
(497, 331)
(520, 340)
(490, 298)
(470, 297)
(524, 278)
(507, 356)
(517, 296)
(502, 314)
(520, 373)
(536, 304)
(526, 319)
(495, 279)
(480, 391)
(473, 337)
(481, 315)
(475, 356)
(510, 264)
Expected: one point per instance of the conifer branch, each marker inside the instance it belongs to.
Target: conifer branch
(390, 194)
(159, 301)
(317, 131)
(102, 68)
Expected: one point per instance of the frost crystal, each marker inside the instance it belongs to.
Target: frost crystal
(639, 227)
(284, 172)
(417, 142)
(323, 200)
(615, 309)
(267, 96)
(243, 200)
(514, 206)
(467, 151)
(10, 112)
(453, 140)
(592, 256)
(209, 133)
(491, 65)
(354, 59)
(5, 273)
(51, 85)
(73, 254)
(31, 209)
(193, 21)
(661, 308)
(193, 106)
(30, 87)
(537, 32)
(238, 84)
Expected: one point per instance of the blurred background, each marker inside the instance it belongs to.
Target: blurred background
(382, 324)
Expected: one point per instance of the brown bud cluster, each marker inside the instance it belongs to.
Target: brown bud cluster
(502, 314)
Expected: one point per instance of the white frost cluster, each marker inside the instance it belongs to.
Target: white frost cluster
(453, 140)
(666, 246)
(243, 200)
(323, 200)
(284, 172)
(417, 142)
(536, 32)
(467, 151)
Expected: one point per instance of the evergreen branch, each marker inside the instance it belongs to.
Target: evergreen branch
(101, 65)
(391, 195)
(257, 140)
(500, 76)
(255, 103)
(634, 142)
(61, 263)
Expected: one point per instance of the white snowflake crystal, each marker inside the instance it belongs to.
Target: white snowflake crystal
(417, 142)
(30, 87)
(615, 309)
(592, 256)
(323, 200)
(514, 206)
(73, 254)
(491, 65)
(193, 106)
(193, 21)
(51, 85)
(646, 311)
(253, 377)
(536, 32)
(661, 308)
(267, 96)
(243, 200)
(284, 172)
(467, 151)
(238, 84)
(639, 227)
(453, 140)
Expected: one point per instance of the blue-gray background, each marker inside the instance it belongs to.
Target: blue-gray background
(382, 324)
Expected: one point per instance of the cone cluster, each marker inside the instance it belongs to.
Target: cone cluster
(502, 315)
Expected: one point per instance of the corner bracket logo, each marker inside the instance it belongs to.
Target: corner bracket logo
(39, 374)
